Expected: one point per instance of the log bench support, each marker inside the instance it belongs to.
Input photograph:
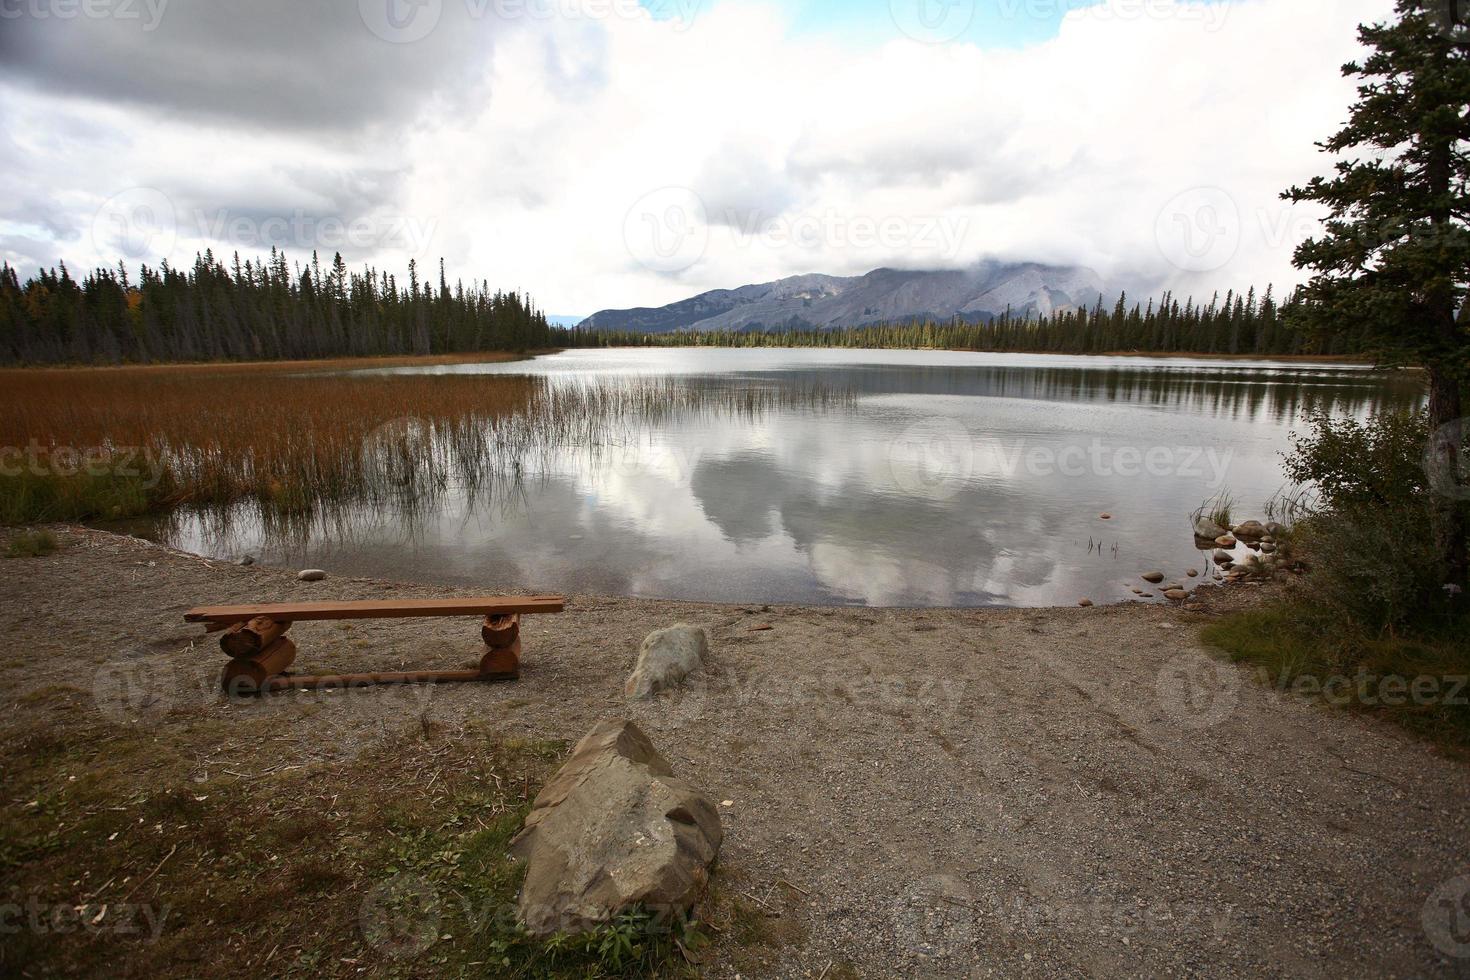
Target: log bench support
(254, 638)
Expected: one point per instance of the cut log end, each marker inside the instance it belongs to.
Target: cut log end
(249, 675)
(501, 631)
(250, 638)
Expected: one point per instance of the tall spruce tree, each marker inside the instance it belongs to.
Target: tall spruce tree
(1392, 263)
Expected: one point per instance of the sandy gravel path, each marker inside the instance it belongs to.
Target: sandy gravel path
(1068, 792)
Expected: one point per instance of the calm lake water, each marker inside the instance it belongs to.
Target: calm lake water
(919, 478)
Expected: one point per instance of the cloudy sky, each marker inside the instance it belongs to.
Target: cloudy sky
(611, 153)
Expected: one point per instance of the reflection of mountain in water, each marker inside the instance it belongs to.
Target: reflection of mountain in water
(778, 485)
(1274, 393)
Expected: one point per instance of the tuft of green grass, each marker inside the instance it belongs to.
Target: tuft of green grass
(1218, 509)
(1419, 681)
(33, 544)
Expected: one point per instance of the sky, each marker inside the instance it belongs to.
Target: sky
(617, 153)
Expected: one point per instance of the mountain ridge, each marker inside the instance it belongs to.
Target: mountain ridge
(815, 300)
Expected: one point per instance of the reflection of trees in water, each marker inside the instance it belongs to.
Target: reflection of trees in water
(401, 472)
(1240, 393)
(399, 477)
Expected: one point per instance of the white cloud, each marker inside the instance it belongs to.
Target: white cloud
(522, 169)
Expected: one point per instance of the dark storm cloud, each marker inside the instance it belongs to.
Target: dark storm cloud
(347, 193)
(286, 64)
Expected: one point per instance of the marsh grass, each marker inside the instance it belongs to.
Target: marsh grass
(1297, 649)
(85, 444)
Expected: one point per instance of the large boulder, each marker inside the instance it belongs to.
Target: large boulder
(1208, 529)
(611, 830)
(666, 657)
(1250, 531)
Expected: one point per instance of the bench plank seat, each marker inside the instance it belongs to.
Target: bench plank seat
(295, 612)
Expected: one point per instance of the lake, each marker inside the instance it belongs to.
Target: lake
(886, 478)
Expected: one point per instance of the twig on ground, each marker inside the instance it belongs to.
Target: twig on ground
(155, 871)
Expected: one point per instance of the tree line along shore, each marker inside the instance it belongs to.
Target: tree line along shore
(273, 309)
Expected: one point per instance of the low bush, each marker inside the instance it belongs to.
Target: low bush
(1375, 616)
(33, 544)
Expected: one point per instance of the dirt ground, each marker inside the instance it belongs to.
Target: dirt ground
(1059, 792)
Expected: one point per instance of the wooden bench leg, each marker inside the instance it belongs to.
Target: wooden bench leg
(502, 636)
(501, 663)
(260, 652)
(253, 637)
(249, 675)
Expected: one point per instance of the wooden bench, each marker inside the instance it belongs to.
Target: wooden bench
(255, 640)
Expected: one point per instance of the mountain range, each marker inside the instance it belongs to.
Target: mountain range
(977, 294)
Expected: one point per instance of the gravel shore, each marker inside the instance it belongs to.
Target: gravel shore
(937, 792)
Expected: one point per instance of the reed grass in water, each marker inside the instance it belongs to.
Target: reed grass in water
(83, 444)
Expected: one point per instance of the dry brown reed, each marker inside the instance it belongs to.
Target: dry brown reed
(112, 442)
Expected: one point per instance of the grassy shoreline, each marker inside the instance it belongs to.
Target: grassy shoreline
(325, 363)
(492, 357)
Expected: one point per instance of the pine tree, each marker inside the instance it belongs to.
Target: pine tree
(1392, 263)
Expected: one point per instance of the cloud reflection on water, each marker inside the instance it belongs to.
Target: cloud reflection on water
(800, 503)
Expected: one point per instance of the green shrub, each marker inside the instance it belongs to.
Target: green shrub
(1374, 568)
(1345, 463)
(33, 544)
(1364, 518)
(1374, 617)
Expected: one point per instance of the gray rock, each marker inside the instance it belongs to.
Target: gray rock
(246, 560)
(612, 829)
(1206, 528)
(1275, 529)
(311, 575)
(666, 657)
(1250, 530)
